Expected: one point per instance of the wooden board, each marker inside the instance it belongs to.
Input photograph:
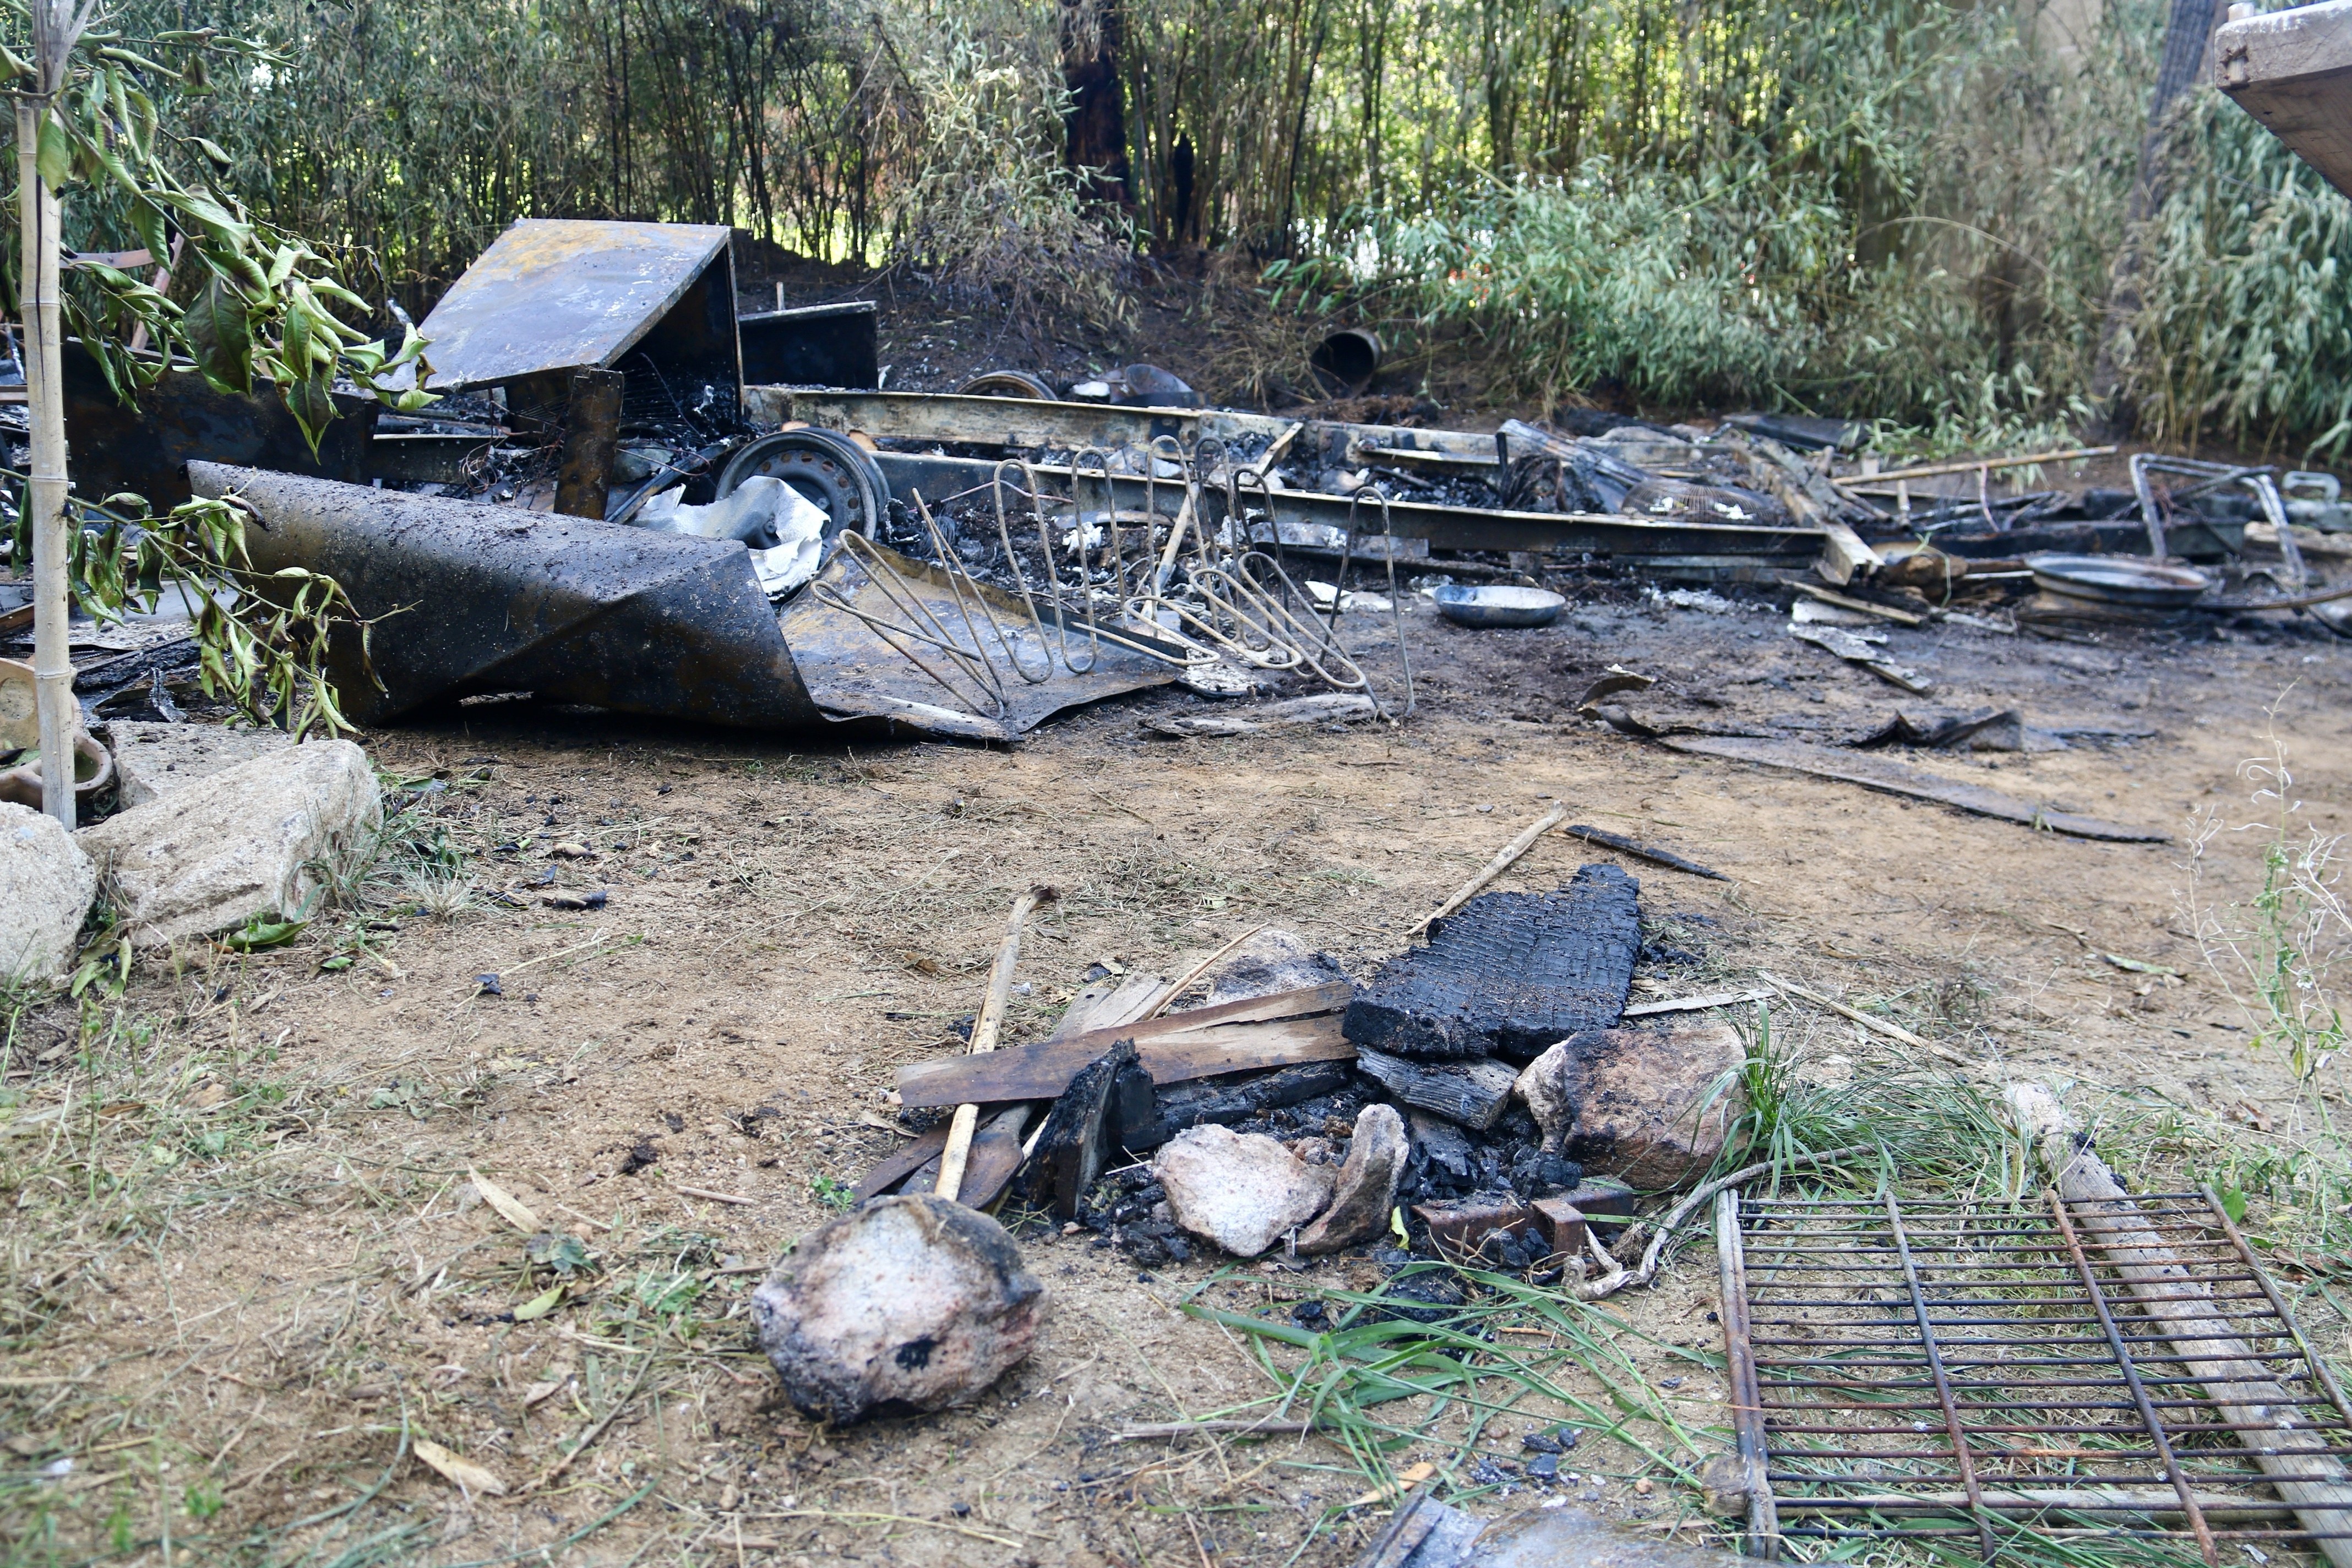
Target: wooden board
(903, 1161)
(1280, 1031)
(1472, 1091)
(1896, 778)
(989, 1168)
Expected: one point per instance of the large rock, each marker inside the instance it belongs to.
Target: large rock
(152, 760)
(46, 884)
(1240, 1190)
(214, 853)
(910, 1304)
(1366, 1191)
(1651, 1106)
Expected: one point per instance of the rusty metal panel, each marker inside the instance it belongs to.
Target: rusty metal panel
(554, 294)
(474, 598)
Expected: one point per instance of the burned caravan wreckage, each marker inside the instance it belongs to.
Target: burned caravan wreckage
(633, 498)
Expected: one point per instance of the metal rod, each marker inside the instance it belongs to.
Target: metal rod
(2319, 1370)
(1943, 1388)
(2139, 1395)
(1747, 1401)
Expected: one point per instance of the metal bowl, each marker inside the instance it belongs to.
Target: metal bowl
(2120, 580)
(1498, 606)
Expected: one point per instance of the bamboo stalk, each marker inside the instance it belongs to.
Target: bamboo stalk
(40, 217)
(984, 1030)
(1495, 868)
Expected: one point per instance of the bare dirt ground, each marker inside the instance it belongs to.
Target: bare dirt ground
(245, 1258)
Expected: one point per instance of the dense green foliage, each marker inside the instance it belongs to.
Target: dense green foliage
(1907, 209)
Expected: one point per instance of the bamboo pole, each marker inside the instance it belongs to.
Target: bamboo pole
(40, 216)
(1495, 868)
(984, 1030)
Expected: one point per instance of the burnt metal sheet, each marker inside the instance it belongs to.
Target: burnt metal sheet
(146, 449)
(2291, 70)
(852, 671)
(557, 294)
(813, 346)
(471, 598)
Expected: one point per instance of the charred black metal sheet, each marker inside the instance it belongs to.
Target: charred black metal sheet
(474, 598)
(146, 448)
(813, 345)
(1507, 974)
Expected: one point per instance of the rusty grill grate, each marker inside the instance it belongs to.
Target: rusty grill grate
(1956, 1372)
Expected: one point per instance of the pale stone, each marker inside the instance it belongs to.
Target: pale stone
(1366, 1191)
(1241, 1190)
(46, 884)
(246, 841)
(154, 760)
(1651, 1106)
(910, 1304)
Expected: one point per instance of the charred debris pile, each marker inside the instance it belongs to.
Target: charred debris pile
(1485, 1099)
(809, 548)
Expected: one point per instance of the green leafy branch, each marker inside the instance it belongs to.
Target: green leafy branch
(265, 307)
(261, 637)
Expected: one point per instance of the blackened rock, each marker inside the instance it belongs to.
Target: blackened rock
(1508, 974)
(909, 1304)
(1364, 1194)
(1426, 1296)
(1544, 1468)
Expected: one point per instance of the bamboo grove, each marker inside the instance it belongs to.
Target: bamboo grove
(1907, 210)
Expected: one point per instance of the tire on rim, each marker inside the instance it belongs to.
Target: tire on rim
(829, 468)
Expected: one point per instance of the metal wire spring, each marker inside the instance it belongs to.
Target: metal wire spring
(1210, 597)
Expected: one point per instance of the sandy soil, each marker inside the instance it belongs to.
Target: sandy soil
(247, 1254)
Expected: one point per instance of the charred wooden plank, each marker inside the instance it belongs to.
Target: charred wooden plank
(989, 1166)
(1473, 1093)
(1229, 1100)
(901, 1162)
(1082, 1128)
(1623, 844)
(1508, 974)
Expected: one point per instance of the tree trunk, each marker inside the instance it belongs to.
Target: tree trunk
(41, 218)
(1094, 129)
(2188, 30)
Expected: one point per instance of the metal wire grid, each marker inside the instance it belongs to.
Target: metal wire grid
(1961, 1372)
